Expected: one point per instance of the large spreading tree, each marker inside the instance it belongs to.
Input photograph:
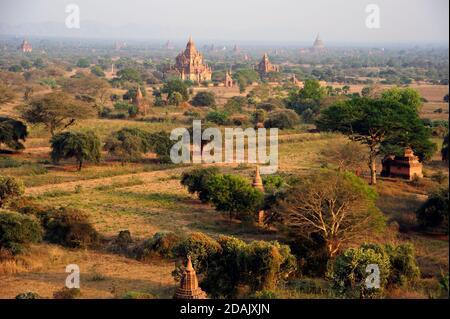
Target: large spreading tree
(82, 146)
(12, 132)
(56, 110)
(386, 125)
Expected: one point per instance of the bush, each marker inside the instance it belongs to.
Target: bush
(284, 119)
(259, 266)
(196, 182)
(137, 295)
(161, 245)
(200, 247)
(434, 212)
(218, 117)
(129, 144)
(10, 188)
(28, 295)
(204, 99)
(397, 265)
(161, 144)
(404, 269)
(68, 227)
(12, 132)
(349, 271)
(67, 293)
(18, 230)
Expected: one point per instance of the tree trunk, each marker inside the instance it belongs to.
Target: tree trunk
(373, 170)
(80, 164)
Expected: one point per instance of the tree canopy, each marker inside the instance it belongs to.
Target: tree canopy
(12, 132)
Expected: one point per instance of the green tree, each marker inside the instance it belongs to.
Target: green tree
(161, 144)
(196, 181)
(129, 75)
(57, 111)
(204, 99)
(175, 99)
(234, 195)
(176, 85)
(18, 230)
(10, 189)
(12, 132)
(433, 214)
(83, 63)
(382, 125)
(82, 146)
(283, 119)
(405, 96)
(98, 71)
(128, 144)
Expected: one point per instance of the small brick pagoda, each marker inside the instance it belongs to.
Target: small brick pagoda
(26, 47)
(228, 80)
(189, 288)
(406, 166)
(258, 184)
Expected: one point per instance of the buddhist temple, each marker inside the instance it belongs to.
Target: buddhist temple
(139, 102)
(189, 288)
(265, 66)
(318, 44)
(258, 184)
(189, 64)
(25, 47)
(406, 166)
(228, 80)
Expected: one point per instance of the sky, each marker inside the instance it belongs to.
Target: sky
(290, 21)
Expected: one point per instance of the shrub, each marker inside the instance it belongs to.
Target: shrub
(284, 119)
(28, 295)
(137, 295)
(218, 117)
(161, 144)
(10, 188)
(67, 293)
(196, 181)
(404, 269)
(68, 227)
(161, 245)
(349, 271)
(12, 132)
(259, 266)
(18, 230)
(265, 294)
(203, 99)
(200, 247)
(434, 212)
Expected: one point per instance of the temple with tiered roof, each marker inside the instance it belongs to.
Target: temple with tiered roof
(189, 288)
(189, 64)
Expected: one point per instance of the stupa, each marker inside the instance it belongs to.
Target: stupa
(189, 288)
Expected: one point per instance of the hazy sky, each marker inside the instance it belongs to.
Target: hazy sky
(402, 21)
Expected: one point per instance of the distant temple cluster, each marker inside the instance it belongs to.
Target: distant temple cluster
(406, 166)
(26, 47)
(189, 65)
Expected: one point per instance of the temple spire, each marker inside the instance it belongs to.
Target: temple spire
(189, 288)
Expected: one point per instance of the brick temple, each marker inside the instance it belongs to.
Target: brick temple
(189, 64)
(406, 166)
(189, 288)
(265, 66)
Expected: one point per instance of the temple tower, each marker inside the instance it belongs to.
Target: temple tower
(189, 288)
(228, 80)
(258, 184)
(265, 66)
(189, 64)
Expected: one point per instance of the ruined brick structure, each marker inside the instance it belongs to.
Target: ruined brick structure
(189, 64)
(406, 166)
